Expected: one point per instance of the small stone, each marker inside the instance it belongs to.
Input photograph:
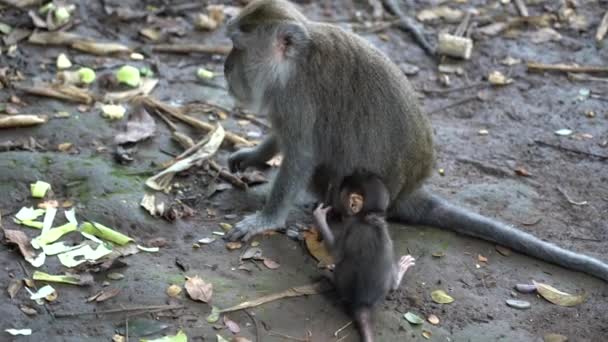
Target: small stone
(115, 276)
(518, 304)
(409, 69)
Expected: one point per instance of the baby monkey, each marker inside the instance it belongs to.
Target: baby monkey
(365, 269)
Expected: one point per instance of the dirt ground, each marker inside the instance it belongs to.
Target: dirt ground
(478, 166)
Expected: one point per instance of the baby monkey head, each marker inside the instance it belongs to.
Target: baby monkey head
(362, 193)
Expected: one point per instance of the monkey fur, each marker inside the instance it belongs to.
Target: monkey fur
(365, 270)
(337, 104)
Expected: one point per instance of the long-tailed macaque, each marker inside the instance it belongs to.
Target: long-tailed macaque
(365, 268)
(337, 104)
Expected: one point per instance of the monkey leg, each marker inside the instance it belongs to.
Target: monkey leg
(405, 262)
(424, 208)
(254, 156)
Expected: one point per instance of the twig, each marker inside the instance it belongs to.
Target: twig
(343, 338)
(457, 103)
(407, 24)
(191, 48)
(165, 119)
(585, 78)
(119, 310)
(521, 8)
(602, 29)
(464, 24)
(571, 150)
(227, 176)
(127, 328)
(287, 337)
(571, 201)
(176, 113)
(337, 332)
(533, 66)
(256, 324)
(46, 306)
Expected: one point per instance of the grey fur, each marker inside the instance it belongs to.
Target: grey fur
(338, 104)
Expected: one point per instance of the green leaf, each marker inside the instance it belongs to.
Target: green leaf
(105, 233)
(214, 316)
(87, 75)
(129, 75)
(413, 318)
(439, 296)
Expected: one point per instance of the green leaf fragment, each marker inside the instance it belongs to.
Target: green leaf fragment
(66, 279)
(439, 296)
(205, 74)
(179, 337)
(5, 29)
(105, 233)
(146, 72)
(214, 316)
(62, 15)
(29, 213)
(87, 75)
(48, 7)
(54, 234)
(220, 338)
(129, 75)
(39, 189)
(413, 318)
(30, 223)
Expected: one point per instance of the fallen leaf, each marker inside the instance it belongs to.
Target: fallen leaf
(21, 240)
(518, 304)
(317, 249)
(449, 14)
(39, 189)
(198, 289)
(63, 62)
(14, 286)
(271, 264)
(481, 258)
(231, 325)
(503, 250)
(439, 296)
(74, 279)
(118, 338)
(413, 318)
(520, 171)
(207, 240)
(43, 292)
(498, 78)
(558, 297)
(113, 112)
(225, 226)
(252, 253)
(107, 294)
(438, 254)
(433, 319)
(28, 310)
(139, 127)
(16, 332)
(214, 316)
(129, 75)
(174, 291)
(426, 334)
(555, 338)
(233, 245)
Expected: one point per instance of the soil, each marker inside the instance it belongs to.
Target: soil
(474, 169)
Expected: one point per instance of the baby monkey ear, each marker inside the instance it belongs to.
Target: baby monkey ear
(292, 39)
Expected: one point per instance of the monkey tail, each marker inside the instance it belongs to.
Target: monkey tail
(427, 209)
(363, 321)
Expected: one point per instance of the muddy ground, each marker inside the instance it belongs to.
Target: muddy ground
(479, 173)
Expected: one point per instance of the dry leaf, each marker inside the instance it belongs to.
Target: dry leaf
(174, 291)
(139, 127)
(198, 289)
(28, 310)
(558, 297)
(21, 240)
(233, 245)
(426, 334)
(271, 264)
(13, 287)
(481, 258)
(232, 325)
(107, 294)
(433, 319)
(22, 120)
(252, 253)
(317, 249)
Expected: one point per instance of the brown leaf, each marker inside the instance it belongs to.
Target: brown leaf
(107, 294)
(21, 240)
(28, 310)
(520, 171)
(558, 297)
(140, 126)
(232, 325)
(317, 249)
(233, 245)
(271, 264)
(198, 289)
(481, 258)
(13, 287)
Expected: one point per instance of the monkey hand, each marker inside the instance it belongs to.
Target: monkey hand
(320, 213)
(242, 159)
(252, 225)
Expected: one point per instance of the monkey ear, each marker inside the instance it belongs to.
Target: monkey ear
(291, 39)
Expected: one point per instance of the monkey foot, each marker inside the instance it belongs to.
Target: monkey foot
(405, 262)
(250, 226)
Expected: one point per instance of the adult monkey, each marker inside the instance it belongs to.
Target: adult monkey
(337, 104)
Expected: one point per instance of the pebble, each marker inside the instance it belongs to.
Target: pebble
(525, 288)
(518, 304)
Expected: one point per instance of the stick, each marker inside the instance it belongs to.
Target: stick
(68, 93)
(297, 291)
(190, 48)
(567, 149)
(464, 24)
(602, 29)
(119, 310)
(521, 8)
(534, 66)
(457, 103)
(585, 78)
(176, 113)
(337, 332)
(22, 120)
(407, 24)
(227, 176)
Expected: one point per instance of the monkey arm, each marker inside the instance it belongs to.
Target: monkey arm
(321, 221)
(267, 149)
